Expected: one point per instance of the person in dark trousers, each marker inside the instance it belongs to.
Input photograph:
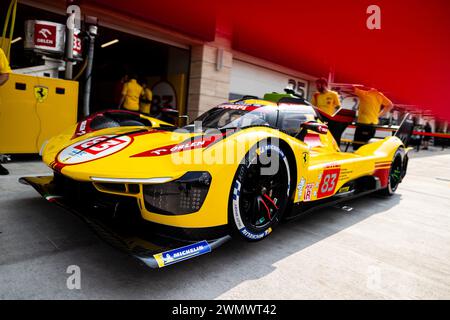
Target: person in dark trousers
(372, 105)
(426, 139)
(5, 70)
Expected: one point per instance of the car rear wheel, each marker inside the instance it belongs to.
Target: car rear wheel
(260, 192)
(395, 174)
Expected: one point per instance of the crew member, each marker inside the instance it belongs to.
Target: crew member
(426, 139)
(327, 101)
(131, 93)
(372, 105)
(146, 99)
(5, 70)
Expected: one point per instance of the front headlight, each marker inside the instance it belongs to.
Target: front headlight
(182, 196)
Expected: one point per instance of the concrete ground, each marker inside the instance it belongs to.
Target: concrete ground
(396, 248)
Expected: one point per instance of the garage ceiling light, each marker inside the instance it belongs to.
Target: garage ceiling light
(16, 40)
(107, 44)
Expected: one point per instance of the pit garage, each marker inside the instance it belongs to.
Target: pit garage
(373, 247)
(162, 65)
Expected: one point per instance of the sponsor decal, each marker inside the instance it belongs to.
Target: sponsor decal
(328, 183)
(300, 188)
(255, 236)
(93, 149)
(82, 128)
(344, 189)
(239, 107)
(345, 174)
(236, 195)
(45, 35)
(40, 93)
(308, 192)
(190, 144)
(187, 252)
(236, 210)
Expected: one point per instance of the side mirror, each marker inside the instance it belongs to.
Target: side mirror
(313, 126)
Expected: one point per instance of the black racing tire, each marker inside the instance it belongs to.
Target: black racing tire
(396, 174)
(260, 192)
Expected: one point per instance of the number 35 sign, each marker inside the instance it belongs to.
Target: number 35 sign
(328, 183)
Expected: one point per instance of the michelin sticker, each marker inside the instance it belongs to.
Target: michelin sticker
(183, 253)
(93, 148)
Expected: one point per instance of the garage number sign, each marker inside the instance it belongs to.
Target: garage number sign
(164, 95)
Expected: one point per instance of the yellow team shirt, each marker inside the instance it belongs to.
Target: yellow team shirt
(326, 102)
(147, 94)
(132, 91)
(4, 64)
(370, 102)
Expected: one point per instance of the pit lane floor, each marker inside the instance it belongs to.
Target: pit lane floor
(385, 248)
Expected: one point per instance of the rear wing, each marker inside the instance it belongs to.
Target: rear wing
(405, 131)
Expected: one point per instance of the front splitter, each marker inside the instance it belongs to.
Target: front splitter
(153, 249)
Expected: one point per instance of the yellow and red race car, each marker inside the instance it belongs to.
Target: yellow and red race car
(167, 194)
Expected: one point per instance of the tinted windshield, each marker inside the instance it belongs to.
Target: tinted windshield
(237, 116)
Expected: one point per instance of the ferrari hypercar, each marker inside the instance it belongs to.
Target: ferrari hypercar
(167, 193)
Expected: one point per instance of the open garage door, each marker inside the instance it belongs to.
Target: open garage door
(163, 68)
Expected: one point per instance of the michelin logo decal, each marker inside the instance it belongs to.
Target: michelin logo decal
(183, 253)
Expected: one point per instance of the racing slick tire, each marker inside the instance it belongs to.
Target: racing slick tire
(260, 192)
(396, 173)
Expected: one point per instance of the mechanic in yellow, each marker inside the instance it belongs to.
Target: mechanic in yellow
(131, 92)
(5, 70)
(372, 105)
(328, 102)
(145, 105)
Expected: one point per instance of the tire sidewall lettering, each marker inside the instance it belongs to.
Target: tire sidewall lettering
(237, 185)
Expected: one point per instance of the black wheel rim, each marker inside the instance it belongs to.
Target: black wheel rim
(263, 197)
(395, 173)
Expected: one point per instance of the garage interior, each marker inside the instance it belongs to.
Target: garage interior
(116, 54)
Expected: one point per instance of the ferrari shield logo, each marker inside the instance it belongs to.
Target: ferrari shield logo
(305, 158)
(41, 93)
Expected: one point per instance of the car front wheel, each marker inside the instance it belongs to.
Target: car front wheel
(260, 192)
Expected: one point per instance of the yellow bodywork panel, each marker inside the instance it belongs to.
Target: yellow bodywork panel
(319, 167)
(34, 109)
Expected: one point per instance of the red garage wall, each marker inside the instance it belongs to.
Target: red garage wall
(193, 18)
(408, 58)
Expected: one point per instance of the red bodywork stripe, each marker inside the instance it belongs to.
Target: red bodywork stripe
(383, 175)
(189, 144)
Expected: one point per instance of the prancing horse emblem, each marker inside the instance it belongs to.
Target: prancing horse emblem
(41, 93)
(305, 158)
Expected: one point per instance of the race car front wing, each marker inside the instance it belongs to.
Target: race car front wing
(153, 249)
